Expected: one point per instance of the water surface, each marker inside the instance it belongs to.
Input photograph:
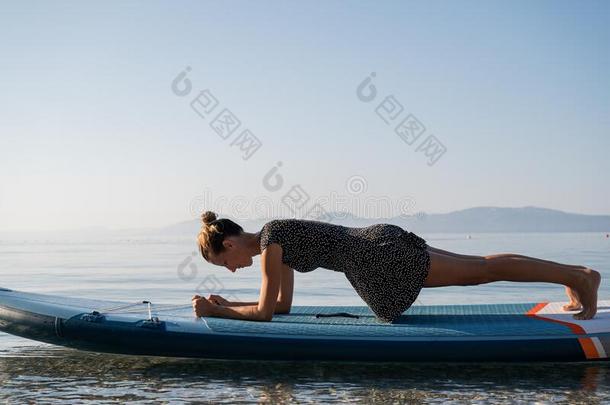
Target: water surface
(165, 271)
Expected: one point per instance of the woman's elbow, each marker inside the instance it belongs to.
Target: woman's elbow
(268, 316)
(282, 309)
(265, 317)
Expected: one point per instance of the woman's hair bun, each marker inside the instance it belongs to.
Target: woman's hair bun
(208, 217)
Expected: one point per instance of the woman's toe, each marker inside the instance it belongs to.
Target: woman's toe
(572, 307)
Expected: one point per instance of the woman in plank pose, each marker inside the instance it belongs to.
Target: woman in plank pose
(387, 266)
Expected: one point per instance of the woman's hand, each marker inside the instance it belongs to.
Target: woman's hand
(218, 300)
(201, 306)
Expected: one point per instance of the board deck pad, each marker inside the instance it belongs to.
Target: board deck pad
(527, 331)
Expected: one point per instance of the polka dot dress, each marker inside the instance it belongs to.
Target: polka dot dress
(385, 264)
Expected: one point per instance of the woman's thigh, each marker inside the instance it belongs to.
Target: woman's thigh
(447, 270)
(448, 253)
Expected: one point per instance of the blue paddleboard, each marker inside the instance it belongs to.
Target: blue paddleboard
(498, 332)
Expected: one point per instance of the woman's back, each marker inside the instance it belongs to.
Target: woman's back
(309, 244)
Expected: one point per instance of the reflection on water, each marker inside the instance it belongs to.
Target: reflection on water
(54, 374)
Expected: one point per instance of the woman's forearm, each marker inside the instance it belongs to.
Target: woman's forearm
(244, 312)
(279, 308)
(240, 304)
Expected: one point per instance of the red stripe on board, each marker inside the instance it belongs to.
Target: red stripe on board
(587, 345)
(577, 329)
(536, 308)
(589, 348)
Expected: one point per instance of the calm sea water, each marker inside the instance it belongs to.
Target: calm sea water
(165, 271)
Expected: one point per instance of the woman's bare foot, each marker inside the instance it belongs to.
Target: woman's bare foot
(574, 303)
(586, 288)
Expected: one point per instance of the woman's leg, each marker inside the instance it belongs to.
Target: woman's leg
(574, 303)
(447, 269)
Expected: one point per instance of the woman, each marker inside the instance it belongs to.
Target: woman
(386, 265)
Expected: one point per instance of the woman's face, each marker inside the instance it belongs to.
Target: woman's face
(234, 256)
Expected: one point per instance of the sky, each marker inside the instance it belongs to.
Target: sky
(510, 100)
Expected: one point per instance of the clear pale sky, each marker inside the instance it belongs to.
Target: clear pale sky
(91, 133)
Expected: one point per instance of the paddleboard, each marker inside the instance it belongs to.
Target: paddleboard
(492, 332)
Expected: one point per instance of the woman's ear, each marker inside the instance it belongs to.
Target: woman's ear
(227, 243)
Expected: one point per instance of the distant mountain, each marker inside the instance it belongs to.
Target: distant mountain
(496, 219)
(470, 220)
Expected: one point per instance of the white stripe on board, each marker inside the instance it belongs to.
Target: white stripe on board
(600, 348)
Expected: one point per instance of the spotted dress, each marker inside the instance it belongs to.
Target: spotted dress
(385, 264)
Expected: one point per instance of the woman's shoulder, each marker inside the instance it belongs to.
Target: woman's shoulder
(273, 232)
(282, 230)
(275, 224)
(287, 223)
(293, 224)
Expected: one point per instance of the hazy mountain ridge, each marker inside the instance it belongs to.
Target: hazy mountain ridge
(496, 219)
(469, 220)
